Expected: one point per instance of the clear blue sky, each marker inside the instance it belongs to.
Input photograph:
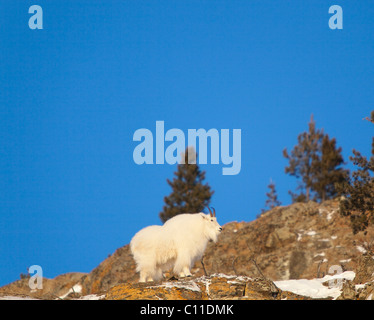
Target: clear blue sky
(72, 95)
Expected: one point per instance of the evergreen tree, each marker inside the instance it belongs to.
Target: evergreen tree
(189, 194)
(272, 197)
(358, 190)
(328, 170)
(302, 159)
(316, 161)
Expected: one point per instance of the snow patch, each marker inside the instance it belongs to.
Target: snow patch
(314, 288)
(92, 297)
(190, 285)
(322, 254)
(330, 214)
(361, 249)
(77, 288)
(299, 234)
(222, 275)
(311, 233)
(227, 276)
(360, 286)
(345, 261)
(16, 298)
(207, 283)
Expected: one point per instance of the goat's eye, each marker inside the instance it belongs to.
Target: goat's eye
(211, 220)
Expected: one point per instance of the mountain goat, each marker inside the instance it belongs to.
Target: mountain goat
(178, 243)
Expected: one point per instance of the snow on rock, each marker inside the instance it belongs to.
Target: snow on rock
(315, 288)
(322, 254)
(87, 297)
(16, 298)
(361, 249)
(330, 214)
(75, 289)
(345, 260)
(190, 285)
(92, 297)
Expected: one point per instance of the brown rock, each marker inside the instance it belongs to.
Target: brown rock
(348, 291)
(148, 291)
(224, 288)
(302, 240)
(217, 287)
(52, 288)
(367, 292)
(365, 269)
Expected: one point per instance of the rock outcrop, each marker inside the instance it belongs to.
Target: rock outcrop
(216, 287)
(58, 288)
(300, 241)
(303, 240)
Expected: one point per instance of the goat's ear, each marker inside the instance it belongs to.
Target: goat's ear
(203, 215)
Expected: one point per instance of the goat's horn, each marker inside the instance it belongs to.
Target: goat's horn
(214, 212)
(211, 214)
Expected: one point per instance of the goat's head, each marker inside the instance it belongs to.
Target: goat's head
(213, 228)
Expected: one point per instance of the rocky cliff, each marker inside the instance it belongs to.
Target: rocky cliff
(300, 241)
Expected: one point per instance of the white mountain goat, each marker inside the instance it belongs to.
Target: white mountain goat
(180, 242)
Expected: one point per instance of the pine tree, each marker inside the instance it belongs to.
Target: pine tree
(189, 194)
(302, 159)
(358, 191)
(272, 197)
(328, 170)
(316, 161)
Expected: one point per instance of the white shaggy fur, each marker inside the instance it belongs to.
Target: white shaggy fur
(178, 243)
